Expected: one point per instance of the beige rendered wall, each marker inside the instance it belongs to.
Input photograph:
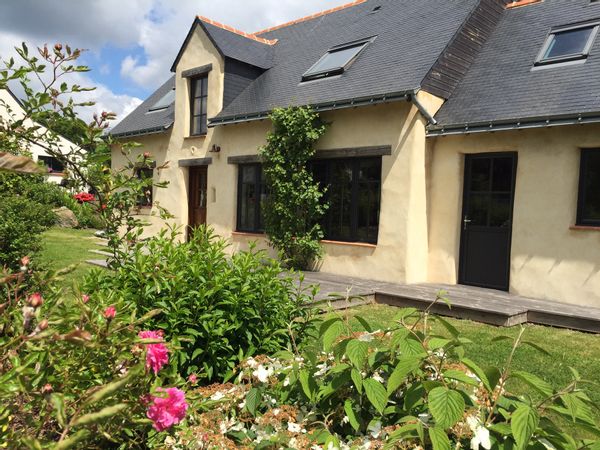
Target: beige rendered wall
(549, 259)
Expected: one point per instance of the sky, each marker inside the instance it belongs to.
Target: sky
(131, 44)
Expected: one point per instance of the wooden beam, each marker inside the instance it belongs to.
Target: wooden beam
(336, 153)
(195, 162)
(201, 70)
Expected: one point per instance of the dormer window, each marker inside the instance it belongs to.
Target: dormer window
(198, 105)
(568, 44)
(165, 101)
(335, 61)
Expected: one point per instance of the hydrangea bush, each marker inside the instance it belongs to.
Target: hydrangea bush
(401, 387)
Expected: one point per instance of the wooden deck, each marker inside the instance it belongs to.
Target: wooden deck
(481, 305)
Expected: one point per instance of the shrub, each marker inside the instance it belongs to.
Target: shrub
(401, 387)
(21, 223)
(78, 372)
(217, 309)
(294, 205)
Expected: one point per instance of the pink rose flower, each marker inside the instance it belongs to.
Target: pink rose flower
(157, 355)
(110, 312)
(193, 378)
(85, 298)
(25, 261)
(35, 300)
(167, 411)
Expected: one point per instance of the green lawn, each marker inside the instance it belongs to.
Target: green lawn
(566, 348)
(64, 247)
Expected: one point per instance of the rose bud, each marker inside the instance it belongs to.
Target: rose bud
(58, 47)
(146, 155)
(43, 325)
(35, 300)
(47, 388)
(85, 298)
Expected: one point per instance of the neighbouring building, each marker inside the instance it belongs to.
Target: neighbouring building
(11, 109)
(464, 144)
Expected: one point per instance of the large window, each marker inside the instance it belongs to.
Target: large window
(199, 94)
(568, 44)
(588, 205)
(251, 193)
(354, 195)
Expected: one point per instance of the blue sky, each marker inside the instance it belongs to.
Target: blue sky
(132, 43)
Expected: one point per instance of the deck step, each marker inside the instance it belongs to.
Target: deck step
(98, 262)
(101, 252)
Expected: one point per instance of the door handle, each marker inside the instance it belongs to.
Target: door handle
(466, 221)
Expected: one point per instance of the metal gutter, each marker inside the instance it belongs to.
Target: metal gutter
(320, 107)
(507, 125)
(154, 130)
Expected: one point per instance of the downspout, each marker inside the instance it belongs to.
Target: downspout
(415, 101)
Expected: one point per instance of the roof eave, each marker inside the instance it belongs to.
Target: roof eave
(144, 132)
(514, 124)
(319, 107)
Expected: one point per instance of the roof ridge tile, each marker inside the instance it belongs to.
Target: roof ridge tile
(311, 16)
(239, 32)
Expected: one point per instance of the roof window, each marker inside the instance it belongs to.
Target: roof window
(336, 60)
(568, 44)
(165, 101)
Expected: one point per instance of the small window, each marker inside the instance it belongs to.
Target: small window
(52, 163)
(165, 101)
(335, 61)
(567, 44)
(198, 100)
(252, 192)
(588, 204)
(145, 174)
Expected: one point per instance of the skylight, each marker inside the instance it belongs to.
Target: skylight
(165, 101)
(335, 61)
(568, 44)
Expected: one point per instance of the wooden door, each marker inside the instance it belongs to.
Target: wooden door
(488, 197)
(197, 196)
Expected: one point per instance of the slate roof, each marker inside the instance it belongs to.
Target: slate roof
(501, 85)
(143, 121)
(410, 35)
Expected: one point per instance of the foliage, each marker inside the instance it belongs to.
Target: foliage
(218, 309)
(73, 372)
(294, 205)
(21, 223)
(402, 387)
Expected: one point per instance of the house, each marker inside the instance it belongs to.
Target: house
(464, 145)
(11, 109)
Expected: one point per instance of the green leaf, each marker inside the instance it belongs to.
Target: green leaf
(435, 342)
(460, 376)
(439, 439)
(253, 399)
(405, 366)
(448, 326)
(523, 424)
(479, 372)
(368, 328)
(58, 402)
(447, 406)
(357, 352)
(534, 382)
(537, 347)
(115, 386)
(101, 415)
(332, 333)
(73, 440)
(357, 379)
(404, 313)
(308, 384)
(502, 338)
(376, 394)
(348, 408)
(577, 408)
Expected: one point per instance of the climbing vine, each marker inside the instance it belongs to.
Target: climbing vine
(294, 204)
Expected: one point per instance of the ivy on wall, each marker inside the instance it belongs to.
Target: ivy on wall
(294, 205)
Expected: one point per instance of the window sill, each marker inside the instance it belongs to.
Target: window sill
(195, 136)
(584, 228)
(352, 244)
(246, 233)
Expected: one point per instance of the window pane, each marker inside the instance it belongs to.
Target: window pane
(335, 60)
(204, 86)
(197, 89)
(500, 210)
(479, 205)
(146, 198)
(567, 43)
(340, 200)
(591, 194)
(502, 174)
(165, 101)
(248, 198)
(480, 174)
(369, 177)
